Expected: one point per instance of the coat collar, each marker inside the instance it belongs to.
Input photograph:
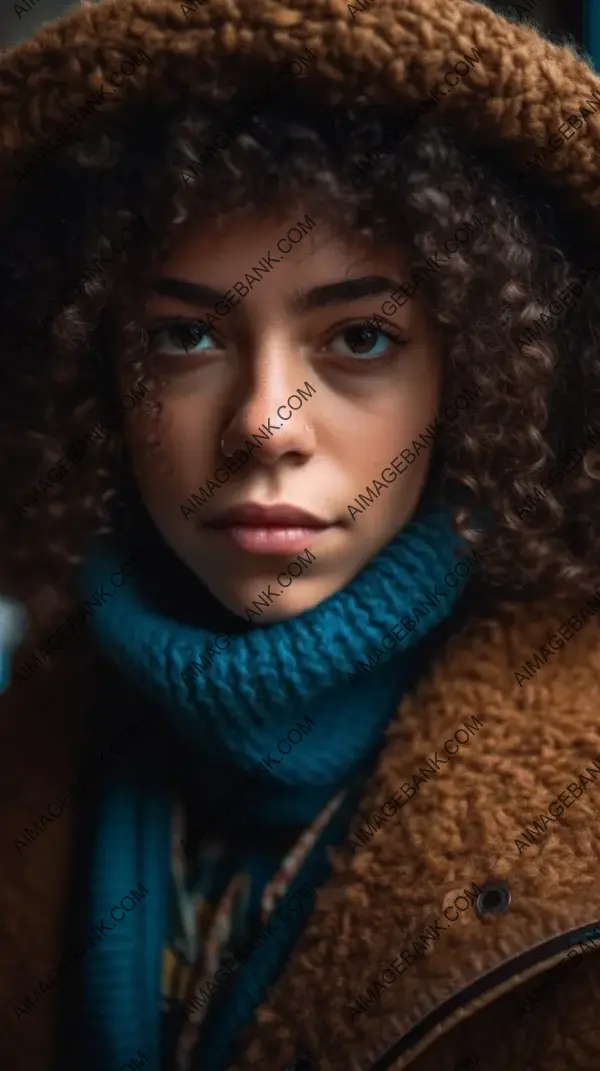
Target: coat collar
(403, 941)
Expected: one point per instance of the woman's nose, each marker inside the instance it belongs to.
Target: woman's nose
(277, 426)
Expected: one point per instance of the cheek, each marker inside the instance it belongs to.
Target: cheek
(167, 452)
(404, 416)
(399, 441)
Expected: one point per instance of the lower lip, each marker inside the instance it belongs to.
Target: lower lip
(256, 540)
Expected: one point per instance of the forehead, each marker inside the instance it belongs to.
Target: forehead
(208, 252)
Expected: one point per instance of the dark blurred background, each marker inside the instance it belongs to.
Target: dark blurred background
(579, 18)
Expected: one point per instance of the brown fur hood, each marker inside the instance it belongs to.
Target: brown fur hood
(500, 80)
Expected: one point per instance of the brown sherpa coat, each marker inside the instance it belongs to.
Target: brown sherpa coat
(428, 942)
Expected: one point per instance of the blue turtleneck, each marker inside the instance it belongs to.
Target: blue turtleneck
(254, 685)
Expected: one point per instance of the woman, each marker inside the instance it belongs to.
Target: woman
(300, 427)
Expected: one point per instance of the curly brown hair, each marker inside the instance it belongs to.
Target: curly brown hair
(350, 165)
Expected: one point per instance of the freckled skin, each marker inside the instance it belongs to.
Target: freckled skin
(359, 417)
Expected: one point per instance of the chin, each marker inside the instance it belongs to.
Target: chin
(282, 608)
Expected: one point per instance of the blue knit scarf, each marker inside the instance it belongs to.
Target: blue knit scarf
(255, 685)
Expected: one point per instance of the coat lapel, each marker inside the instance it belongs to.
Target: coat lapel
(403, 943)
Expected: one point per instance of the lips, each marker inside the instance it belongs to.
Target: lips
(268, 529)
(256, 516)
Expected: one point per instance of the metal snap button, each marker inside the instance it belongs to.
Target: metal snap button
(494, 899)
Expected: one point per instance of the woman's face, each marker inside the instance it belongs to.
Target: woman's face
(311, 407)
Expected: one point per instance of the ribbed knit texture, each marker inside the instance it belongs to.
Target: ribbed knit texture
(228, 721)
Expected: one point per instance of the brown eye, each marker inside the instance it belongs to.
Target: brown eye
(365, 343)
(171, 339)
(361, 338)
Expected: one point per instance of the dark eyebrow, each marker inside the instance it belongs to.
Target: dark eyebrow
(346, 290)
(319, 297)
(190, 293)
